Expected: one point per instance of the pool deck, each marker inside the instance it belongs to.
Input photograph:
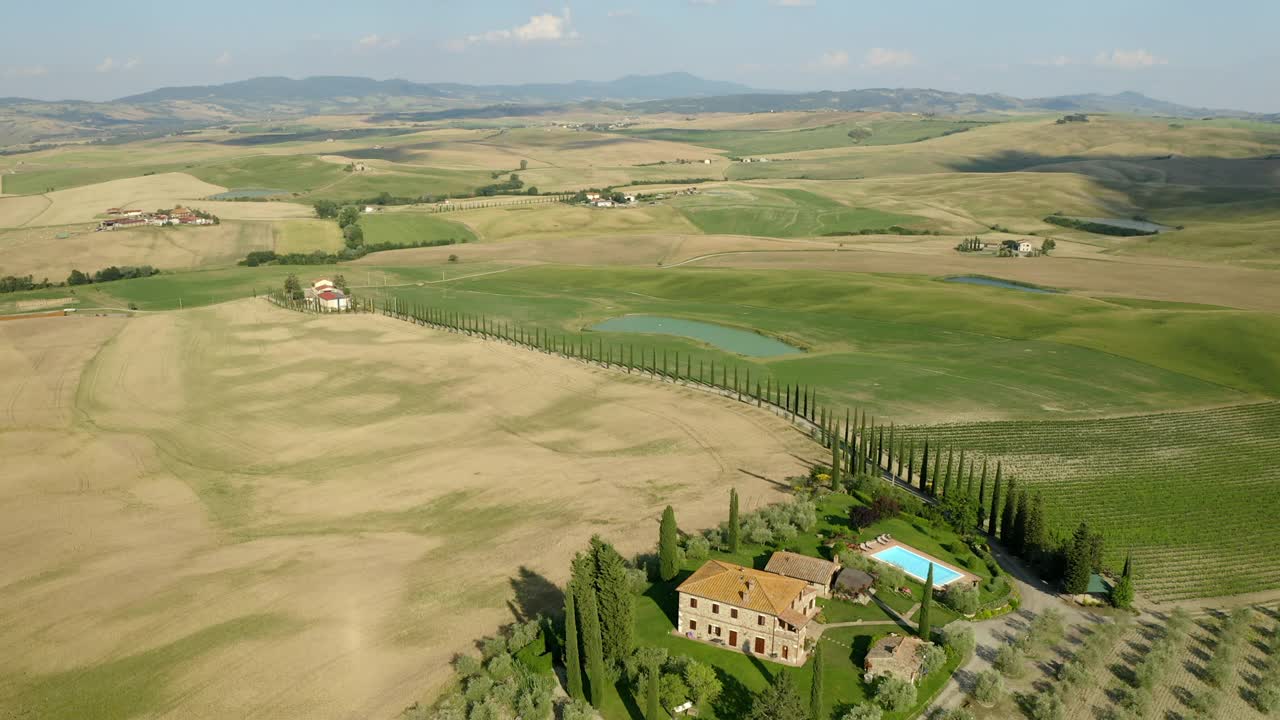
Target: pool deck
(881, 547)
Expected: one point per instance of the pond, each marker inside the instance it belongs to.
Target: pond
(1127, 223)
(995, 282)
(244, 193)
(742, 342)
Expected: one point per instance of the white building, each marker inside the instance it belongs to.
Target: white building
(1025, 246)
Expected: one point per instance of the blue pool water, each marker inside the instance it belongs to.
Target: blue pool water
(916, 566)
(992, 282)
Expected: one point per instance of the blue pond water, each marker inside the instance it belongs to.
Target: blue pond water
(992, 282)
(916, 566)
(742, 342)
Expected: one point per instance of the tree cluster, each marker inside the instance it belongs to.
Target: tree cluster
(111, 274)
(599, 617)
(495, 685)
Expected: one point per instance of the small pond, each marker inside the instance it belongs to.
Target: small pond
(994, 282)
(1128, 223)
(742, 342)
(246, 193)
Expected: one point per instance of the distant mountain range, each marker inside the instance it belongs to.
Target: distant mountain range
(25, 122)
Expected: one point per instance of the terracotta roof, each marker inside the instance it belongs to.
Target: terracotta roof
(329, 295)
(794, 618)
(803, 567)
(896, 648)
(744, 587)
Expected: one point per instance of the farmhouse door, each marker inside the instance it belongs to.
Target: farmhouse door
(733, 638)
(759, 646)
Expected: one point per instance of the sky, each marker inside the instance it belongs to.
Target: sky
(1221, 54)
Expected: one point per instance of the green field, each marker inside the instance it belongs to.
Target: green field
(296, 173)
(403, 228)
(1191, 494)
(769, 142)
(782, 213)
(407, 181)
(34, 182)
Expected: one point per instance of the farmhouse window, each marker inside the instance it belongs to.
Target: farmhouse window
(760, 620)
(693, 602)
(693, 624)
(733, 613)
(715, 608)
(717, 631)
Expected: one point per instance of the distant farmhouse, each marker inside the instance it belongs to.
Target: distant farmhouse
(324, 294)
(121, 218)
(748, 610)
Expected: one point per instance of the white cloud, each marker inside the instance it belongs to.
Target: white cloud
(224, 59)
(25, 71)
(831, 60)
(374, 41)
(1128, 59)
(107, 65)
(793, 3)
(131, 63)
(540, 28)
(886, 58)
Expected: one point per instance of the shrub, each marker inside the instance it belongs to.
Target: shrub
(637, 580)
(478, 688)
(577, 710)
(1046, 629)
(1267, 697)
(704, 686)
(954, 714)
(501, 667)
(988, 687)
(1072, 672)
(697, 548)
(673, 691)
(959, 638)
(932, 658)
(863, 712)
(895, 695)
(1046, 706)
(1204, 705)
(466, 665)
(1010, 662)
(963, 600)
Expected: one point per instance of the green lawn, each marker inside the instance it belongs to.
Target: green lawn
(781, 213)
(405, 228)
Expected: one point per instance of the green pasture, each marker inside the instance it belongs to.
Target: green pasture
(35, 182)
(296, 173)
(784, 213)
(405, 228)
(405, 181)
(769, 142)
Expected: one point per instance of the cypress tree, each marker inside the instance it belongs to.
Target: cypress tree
(892, 455)
(668, 545)
(926, 601)
(911, 463)
(652, 706)
(1020, 519)
(947, 487)
(1010, 510)
(982, 494)
(1037, 534)
(572, 665)
(924, 468)
(804, 411)
(937, 486)
(994, 517)
(733, 520)
(1075, 580)
(836, 463)
(616, 604)
(592, 644)
(968, 486)
(880, 450)
(815, 690)
(864, 446)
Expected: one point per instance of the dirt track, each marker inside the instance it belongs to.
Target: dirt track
(262, 514)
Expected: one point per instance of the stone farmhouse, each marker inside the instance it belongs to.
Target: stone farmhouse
(895, 656)
(819, 573)
(747, 610)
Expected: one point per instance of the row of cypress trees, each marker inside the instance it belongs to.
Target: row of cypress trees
(599, 620)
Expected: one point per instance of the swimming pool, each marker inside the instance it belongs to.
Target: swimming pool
(916, 566)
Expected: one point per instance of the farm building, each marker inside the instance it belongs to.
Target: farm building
(819, 573)
(895, 656)
(325, 295)
(747, 610)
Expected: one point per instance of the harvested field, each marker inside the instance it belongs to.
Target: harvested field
(41, 253)
(84, 204)
(267, 532)
(20, 210)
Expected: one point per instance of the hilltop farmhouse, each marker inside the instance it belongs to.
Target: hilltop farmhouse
(121, 218)
(748, 610)
(323, 294)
